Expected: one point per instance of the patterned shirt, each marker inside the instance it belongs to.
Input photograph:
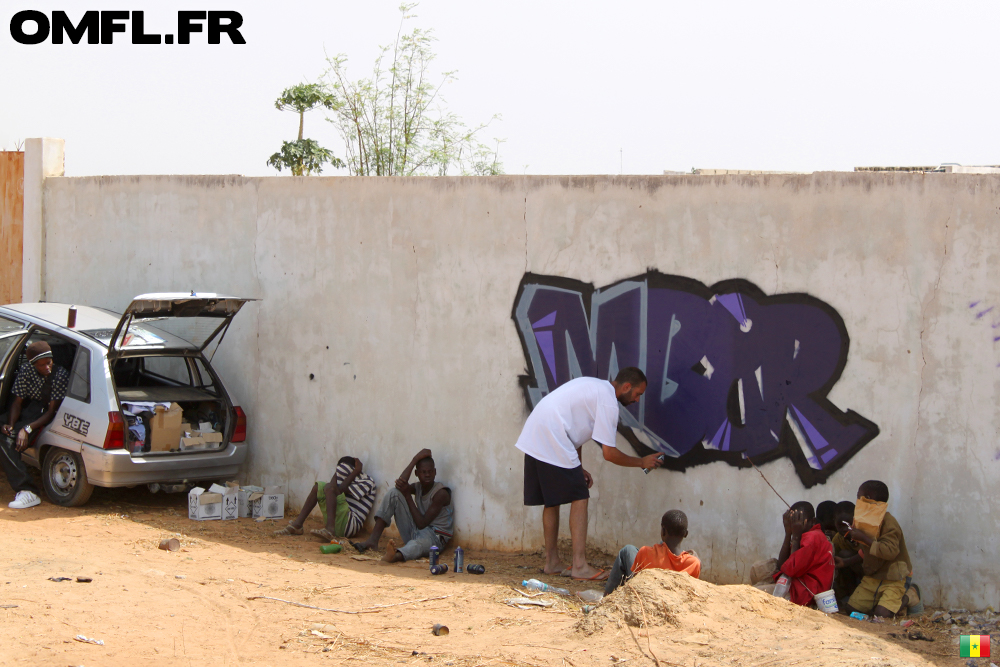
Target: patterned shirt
(360, 497)
(29, 383)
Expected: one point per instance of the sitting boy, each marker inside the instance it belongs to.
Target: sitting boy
(351, 494)
(885, 562)
(423, 521)
(846, 558)
(806, 556)
(825, 517)
(664, 556)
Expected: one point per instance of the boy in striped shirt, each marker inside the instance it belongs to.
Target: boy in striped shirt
(352, 495)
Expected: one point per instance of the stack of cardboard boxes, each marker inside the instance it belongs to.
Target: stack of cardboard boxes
(170, 433)
(234, 501)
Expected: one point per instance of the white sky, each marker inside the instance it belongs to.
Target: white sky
(583, 87)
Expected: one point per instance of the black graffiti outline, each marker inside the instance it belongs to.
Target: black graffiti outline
(786, 446)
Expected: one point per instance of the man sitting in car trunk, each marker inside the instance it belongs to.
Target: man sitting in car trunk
(39, 388)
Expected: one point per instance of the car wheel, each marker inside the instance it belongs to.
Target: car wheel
(65, 478)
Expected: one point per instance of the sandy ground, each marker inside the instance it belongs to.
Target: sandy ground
(197, 606)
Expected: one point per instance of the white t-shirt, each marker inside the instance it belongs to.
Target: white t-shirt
(580, 410)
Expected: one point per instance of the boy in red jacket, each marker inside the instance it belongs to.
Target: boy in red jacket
(806, 555)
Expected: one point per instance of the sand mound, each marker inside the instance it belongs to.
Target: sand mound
(660, 597)
(671, 615)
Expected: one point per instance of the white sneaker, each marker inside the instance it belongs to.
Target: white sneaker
(24, 500)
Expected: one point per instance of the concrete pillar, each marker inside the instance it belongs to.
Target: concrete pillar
(42, 158)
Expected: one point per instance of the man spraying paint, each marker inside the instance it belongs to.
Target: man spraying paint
(552, 438)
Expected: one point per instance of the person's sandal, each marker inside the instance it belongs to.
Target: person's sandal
(288, 530)
(323, 534)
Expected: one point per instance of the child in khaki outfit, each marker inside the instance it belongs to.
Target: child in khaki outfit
(886, 562)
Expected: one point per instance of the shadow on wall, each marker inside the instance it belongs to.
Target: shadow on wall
(732, 372)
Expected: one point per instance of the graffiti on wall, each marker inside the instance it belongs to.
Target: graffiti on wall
(731, 371)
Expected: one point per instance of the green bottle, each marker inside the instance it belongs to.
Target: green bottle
(332, 548)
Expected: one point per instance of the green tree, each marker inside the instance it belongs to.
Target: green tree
(304, 156)
(395, 122)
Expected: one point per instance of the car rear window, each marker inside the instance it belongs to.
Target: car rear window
(174, 369)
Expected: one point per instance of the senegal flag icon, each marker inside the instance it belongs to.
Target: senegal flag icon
(974, 646)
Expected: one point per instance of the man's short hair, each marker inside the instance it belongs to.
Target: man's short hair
(349, 460)
(632, 375)
(675, 523)
(806, 508)
(875, 490)
(423, 460)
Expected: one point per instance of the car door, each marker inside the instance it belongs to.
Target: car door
(173, 321)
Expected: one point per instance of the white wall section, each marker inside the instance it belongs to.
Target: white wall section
(397, 295)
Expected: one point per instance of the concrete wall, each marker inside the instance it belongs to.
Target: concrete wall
(385, 325)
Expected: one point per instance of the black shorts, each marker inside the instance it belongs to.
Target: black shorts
(549, 485)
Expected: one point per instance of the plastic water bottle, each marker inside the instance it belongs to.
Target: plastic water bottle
(782, 586)
(536, 585)
(459, 559)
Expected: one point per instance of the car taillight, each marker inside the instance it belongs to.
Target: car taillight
(240, 434)
(115, 438)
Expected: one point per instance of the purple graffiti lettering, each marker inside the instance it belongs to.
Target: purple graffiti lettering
(980, 314)
(731, 370)
(973, 304)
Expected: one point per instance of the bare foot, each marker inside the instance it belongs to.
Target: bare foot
(390, 552)
(556, 568)
(590, 573)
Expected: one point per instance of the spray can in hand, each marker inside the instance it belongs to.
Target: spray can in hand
(459, 560)
(661, 458)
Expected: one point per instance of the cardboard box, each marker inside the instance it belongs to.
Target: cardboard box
(190, 444)
(204, 506)
(211, 437)
(269, 504)
(244, 496)
(165, 428)
(230, 499)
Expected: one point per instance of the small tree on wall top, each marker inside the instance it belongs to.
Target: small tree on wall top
(304, 156)
(395, 124)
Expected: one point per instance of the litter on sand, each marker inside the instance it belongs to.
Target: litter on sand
(81, 638)
(527, 603)
(60, 579)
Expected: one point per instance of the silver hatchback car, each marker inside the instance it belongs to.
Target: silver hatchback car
(157, 353)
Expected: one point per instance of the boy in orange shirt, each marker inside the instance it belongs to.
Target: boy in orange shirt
(664, 556)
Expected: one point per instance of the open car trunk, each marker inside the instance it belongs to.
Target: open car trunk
(171, 404)
(171, 400)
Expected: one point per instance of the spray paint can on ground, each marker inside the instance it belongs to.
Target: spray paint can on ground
(434, 556)
(439, 568)
(475, 569)
(459, 559)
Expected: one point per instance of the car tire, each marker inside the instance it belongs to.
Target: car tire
(65, 478)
